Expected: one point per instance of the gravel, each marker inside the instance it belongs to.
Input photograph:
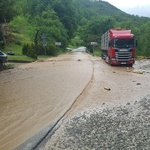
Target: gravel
(119, 128)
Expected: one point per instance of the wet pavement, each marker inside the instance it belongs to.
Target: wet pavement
(34, 96)
(112, 89)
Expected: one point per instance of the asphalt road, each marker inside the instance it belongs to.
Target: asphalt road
(34, 96)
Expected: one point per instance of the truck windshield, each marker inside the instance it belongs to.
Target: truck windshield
(124, 43)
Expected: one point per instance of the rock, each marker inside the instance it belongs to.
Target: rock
(128, 69)
(103, 104)
(140, 57)
(137, 71)
(106, 88)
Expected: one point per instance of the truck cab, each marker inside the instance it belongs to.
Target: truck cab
(118, 47)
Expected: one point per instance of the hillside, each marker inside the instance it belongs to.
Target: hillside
(73, 22)
(93, 8)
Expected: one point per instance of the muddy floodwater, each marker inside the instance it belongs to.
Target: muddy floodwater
(113, 86)
(111, 113)
(35, 95)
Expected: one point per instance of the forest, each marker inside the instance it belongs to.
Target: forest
(37, 25)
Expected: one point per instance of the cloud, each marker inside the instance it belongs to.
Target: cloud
(139, 10)
(127, 4)
(136, 7)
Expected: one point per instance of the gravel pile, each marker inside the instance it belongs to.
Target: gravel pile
(119, 128)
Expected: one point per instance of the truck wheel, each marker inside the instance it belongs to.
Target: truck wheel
(103, 57)
(108, 60)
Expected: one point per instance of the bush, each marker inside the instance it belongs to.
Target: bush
(25, 49)
(29, 50)
(52, 50)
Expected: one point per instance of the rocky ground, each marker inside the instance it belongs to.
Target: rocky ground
(123, 127)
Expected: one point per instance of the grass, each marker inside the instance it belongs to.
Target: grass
(17, 49)
(97, 53)
(20, 58)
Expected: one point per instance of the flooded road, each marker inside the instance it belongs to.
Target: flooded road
(90, 125)
(35, 95)
(113, 86)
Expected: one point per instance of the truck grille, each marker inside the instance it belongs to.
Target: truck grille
(123, 56)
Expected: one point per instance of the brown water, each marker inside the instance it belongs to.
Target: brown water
(124, 88)
(34, 95)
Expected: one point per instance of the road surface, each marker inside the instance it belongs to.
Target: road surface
(36, 95)
(112, 112)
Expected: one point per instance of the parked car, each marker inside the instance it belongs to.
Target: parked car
(3, 57)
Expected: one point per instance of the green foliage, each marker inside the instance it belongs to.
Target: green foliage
(1, 40)
(76, 42)
(29, 50)
(75, 22)
(92, 31)
(144, 39)
(20, 58)
(7, 11)
(97, 53)
(66, 12)
(52, 50)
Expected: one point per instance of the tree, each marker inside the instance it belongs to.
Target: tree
(7, 10)
(67, 15)
(144, 39)
(95, 28)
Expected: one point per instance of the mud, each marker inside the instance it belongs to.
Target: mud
(33, 96)
(124, 87)
(111, 89)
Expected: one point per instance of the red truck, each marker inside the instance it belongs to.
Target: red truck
(118, 47)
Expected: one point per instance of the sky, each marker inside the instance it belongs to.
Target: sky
(136, 7)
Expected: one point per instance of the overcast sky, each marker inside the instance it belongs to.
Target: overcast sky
(136, 7)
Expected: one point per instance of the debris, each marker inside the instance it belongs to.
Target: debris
(79, 59)
(40, 60)
(106, 88)
(134, 71)
(128, 69)
(128, 104)
(138, 84)
(103, 104)
(140, 57)
(137, 71)
(135, 102)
